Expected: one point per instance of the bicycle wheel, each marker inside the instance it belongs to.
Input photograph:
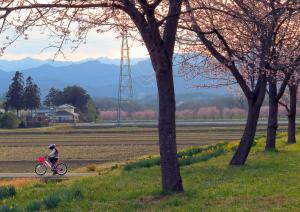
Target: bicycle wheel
(61, 169)
(40, 169)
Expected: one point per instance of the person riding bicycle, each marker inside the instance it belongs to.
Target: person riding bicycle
(53, 157)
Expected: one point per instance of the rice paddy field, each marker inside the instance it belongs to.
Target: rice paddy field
(85, 145)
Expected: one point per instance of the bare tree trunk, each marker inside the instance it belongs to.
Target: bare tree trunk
(292, 114)
(247, 139)
(171, 179)
(273, 117)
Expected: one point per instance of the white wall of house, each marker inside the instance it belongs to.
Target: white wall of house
(64, 118)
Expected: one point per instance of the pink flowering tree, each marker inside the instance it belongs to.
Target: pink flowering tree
(153, 23)
(234, 113)
(185, 114)
(264, 112)
(147, 114)
(248, 50)
(208, 112)
(112, 115)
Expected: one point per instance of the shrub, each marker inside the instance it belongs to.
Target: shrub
(9, 120)
(116, 166)
(33, 206)
(204, 157)
(73, 193)
(52, 201)
(91, 167)
(145, 163)
(23, 124)
(6, 208)
(7, 191)
(37, 124)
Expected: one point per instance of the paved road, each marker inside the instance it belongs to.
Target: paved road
(47, 176)
(178, 123)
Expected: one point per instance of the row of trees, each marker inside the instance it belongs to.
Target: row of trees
(147, 114)
(28, 97)
(197, 100)
(21, 97)
(252, 43)
(208, 113)
(260, 48)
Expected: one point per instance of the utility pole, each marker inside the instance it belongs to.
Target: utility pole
(125, 94)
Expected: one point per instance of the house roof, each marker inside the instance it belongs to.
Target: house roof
(66, 106)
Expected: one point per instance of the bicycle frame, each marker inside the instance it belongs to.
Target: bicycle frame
(45, 162)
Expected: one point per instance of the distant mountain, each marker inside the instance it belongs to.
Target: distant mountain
(117, 61)
(28, 63)
(99, 79)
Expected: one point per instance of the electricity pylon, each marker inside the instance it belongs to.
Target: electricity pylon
(125, 93)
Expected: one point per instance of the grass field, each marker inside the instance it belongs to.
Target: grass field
(269, 182)
(79, 147)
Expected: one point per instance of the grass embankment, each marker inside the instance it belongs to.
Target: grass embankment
(269, 181)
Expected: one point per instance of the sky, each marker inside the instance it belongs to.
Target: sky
(97, 45)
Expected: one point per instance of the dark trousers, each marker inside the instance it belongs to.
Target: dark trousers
(52, 160)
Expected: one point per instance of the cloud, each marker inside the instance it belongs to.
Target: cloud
(97, 45)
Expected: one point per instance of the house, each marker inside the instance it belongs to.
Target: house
(59, 114)
(64, 116)
(64, 113)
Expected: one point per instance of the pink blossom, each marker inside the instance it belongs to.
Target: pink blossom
(282, 111)
(145, 115)
(111, 115)
(208, 112)
(185, 114)
(234, 112)
(264, 111)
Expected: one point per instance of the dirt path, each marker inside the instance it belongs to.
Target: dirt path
(25, 166)
(47, 176)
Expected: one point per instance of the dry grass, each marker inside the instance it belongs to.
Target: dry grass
(18, 183)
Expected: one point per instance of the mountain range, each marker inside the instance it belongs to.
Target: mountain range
(99, 77)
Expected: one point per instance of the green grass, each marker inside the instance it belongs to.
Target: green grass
(269, 182)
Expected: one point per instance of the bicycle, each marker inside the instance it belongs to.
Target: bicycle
(42, 166)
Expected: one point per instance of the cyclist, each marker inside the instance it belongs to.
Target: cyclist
(53, 157)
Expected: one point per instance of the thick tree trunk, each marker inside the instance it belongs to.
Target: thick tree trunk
(292, 114)
(247, 139)
(171, 179)
(161, 50)
(273, 117)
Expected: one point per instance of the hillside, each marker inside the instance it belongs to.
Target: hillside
(269, 182)
(100, 79)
